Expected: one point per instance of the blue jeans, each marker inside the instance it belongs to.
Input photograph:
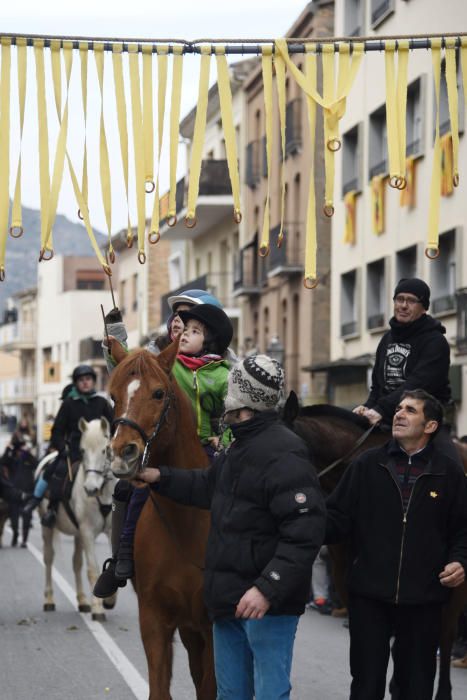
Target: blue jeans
(254, 657)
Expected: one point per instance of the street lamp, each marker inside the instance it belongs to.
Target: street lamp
(275, 349)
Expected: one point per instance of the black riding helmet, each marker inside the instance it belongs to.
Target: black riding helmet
(215, 319)
(82, 371)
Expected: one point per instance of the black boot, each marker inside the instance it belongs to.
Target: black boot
(125, 567)
(107, 584)
(49, 518)
(32, 503)
(14, 540)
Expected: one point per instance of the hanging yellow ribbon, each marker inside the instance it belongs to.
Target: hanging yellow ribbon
(463, 58)
(453, 102)
(138, 145)
(280, 82)
(148, 119)
(103, 148)
(5, 77)
(350, 202)
(225, 98)
(198, 136)
(447, 165)
(266, 62)
(177, 72)
(16, 228)
(407, 198)
(83, 57)
(310, 279)
(333, 104)
(162, 61)
(377, 204)
(396, 110)
(44, 173)
(120, 102)
(432, 249)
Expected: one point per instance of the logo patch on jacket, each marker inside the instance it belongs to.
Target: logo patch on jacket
(434, 494)
(300, 497)
(274, 575)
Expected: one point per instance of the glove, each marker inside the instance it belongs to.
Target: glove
(114, 316)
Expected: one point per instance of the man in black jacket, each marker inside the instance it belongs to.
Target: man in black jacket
(413, 354)
(267, 525)
(404, 508)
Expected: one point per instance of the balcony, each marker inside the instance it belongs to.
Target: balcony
(17, 336)
(380, 168)
(376, 321)
(219, 284)
(286, 260)
(249, 270)
(18, 391)
(351, 186)
(348, 328)
(90, 351)
(443, 304)
(293, 127)
(214, 202)
(254, 155)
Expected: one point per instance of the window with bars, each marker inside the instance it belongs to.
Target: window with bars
(352, 144)
(376, 294)
(349, 317)
(415, 117)
(378, 149)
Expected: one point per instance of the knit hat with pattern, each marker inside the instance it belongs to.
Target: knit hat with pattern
(257, 382)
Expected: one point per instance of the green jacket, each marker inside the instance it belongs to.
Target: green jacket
(206, 388)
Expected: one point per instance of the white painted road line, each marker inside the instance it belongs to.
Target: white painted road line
(138, 686)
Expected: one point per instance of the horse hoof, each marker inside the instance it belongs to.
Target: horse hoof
(84, 607)
(99, 617)
(49, 607)
(109, 603)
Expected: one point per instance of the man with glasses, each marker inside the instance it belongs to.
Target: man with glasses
(412, 354)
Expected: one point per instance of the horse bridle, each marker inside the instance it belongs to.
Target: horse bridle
(148, 440)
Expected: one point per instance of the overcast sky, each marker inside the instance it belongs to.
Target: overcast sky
(184, 19)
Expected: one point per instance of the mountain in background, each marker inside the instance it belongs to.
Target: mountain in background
(22, 254)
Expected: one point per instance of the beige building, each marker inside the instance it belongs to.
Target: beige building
(279, 315)
(364, 274)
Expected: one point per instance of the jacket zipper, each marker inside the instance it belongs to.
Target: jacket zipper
(198, 406)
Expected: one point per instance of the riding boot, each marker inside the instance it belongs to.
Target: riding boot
(14, 540)
(50, 516)
(125, 567)
(32, 503)
(107, 584)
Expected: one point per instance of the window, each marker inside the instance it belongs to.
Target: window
(253, 163)
(349, 303)
(380, 9)
(378, 148)
(376, 295)
(406, 263)
(134, 284)
(293, 127)
(122, 296)
(351, 150)
(443, 278)
(90, 279)
(444, 120)
(414, 121)
(353, 17)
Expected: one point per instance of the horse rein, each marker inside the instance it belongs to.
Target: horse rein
(148, 440)
(345, 457)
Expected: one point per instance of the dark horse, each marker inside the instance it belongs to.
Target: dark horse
(154, 422)
(332, 434)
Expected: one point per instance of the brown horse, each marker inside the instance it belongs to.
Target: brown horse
(155, 424)
(332, 434)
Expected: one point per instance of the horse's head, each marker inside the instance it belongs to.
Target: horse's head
(95, 449)
(142, 389)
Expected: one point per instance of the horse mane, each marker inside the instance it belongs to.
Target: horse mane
(141, 361)
(322, 409)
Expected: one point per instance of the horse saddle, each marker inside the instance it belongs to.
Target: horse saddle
(58, 478)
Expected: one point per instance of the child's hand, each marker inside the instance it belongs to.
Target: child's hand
(214, 441)
(109, 344)
(150, 475)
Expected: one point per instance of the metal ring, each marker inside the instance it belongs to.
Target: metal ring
(237, 216)
(13, 230)
(149, 186)
(172, 220)
(107, 269)
(190, 221)
(431, 252)
(394, 181)
(141, 257)
(403, 183)
(334, 145)
(45, 254)
(280, 240)
(263, 250)
(2, 274)
(129, 242)
(111, 256)
(455, 179)
(328, 210)
(154, 237)
(80, 216)
(310, 282)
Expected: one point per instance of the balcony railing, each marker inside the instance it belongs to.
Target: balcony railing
(20, 390)
(443, 304)
(375, 321)
(348, 328)
(254, 156)
(293, 126)
(250, 270)
(288, 259)
(17, 334)
(350, 185)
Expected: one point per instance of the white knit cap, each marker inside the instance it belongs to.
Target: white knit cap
(257, 382)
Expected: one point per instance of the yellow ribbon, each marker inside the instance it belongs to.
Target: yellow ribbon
(280, 82)
(16, 228)
(266, 62)
(162, 59)
(120, 102)
(310, 280)
(432, 249)
(5, 76)
(396, 111)
(148, 119)
(83, 57)
(177, 72)
(138, 143)
(104, 151)
(44, 174)
(225, 98)
(453, 102)
(463, 55)
(350, 202)
(198, 136)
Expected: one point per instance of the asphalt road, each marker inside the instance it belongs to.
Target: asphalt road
(51, 656)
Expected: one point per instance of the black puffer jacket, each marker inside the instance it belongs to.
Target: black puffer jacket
(410, 356)
(65, 427)
(397, 557)
(267, 516)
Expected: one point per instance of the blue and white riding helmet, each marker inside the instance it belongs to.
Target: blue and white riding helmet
(194, 297)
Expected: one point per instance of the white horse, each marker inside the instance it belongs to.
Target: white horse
(90, 504)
